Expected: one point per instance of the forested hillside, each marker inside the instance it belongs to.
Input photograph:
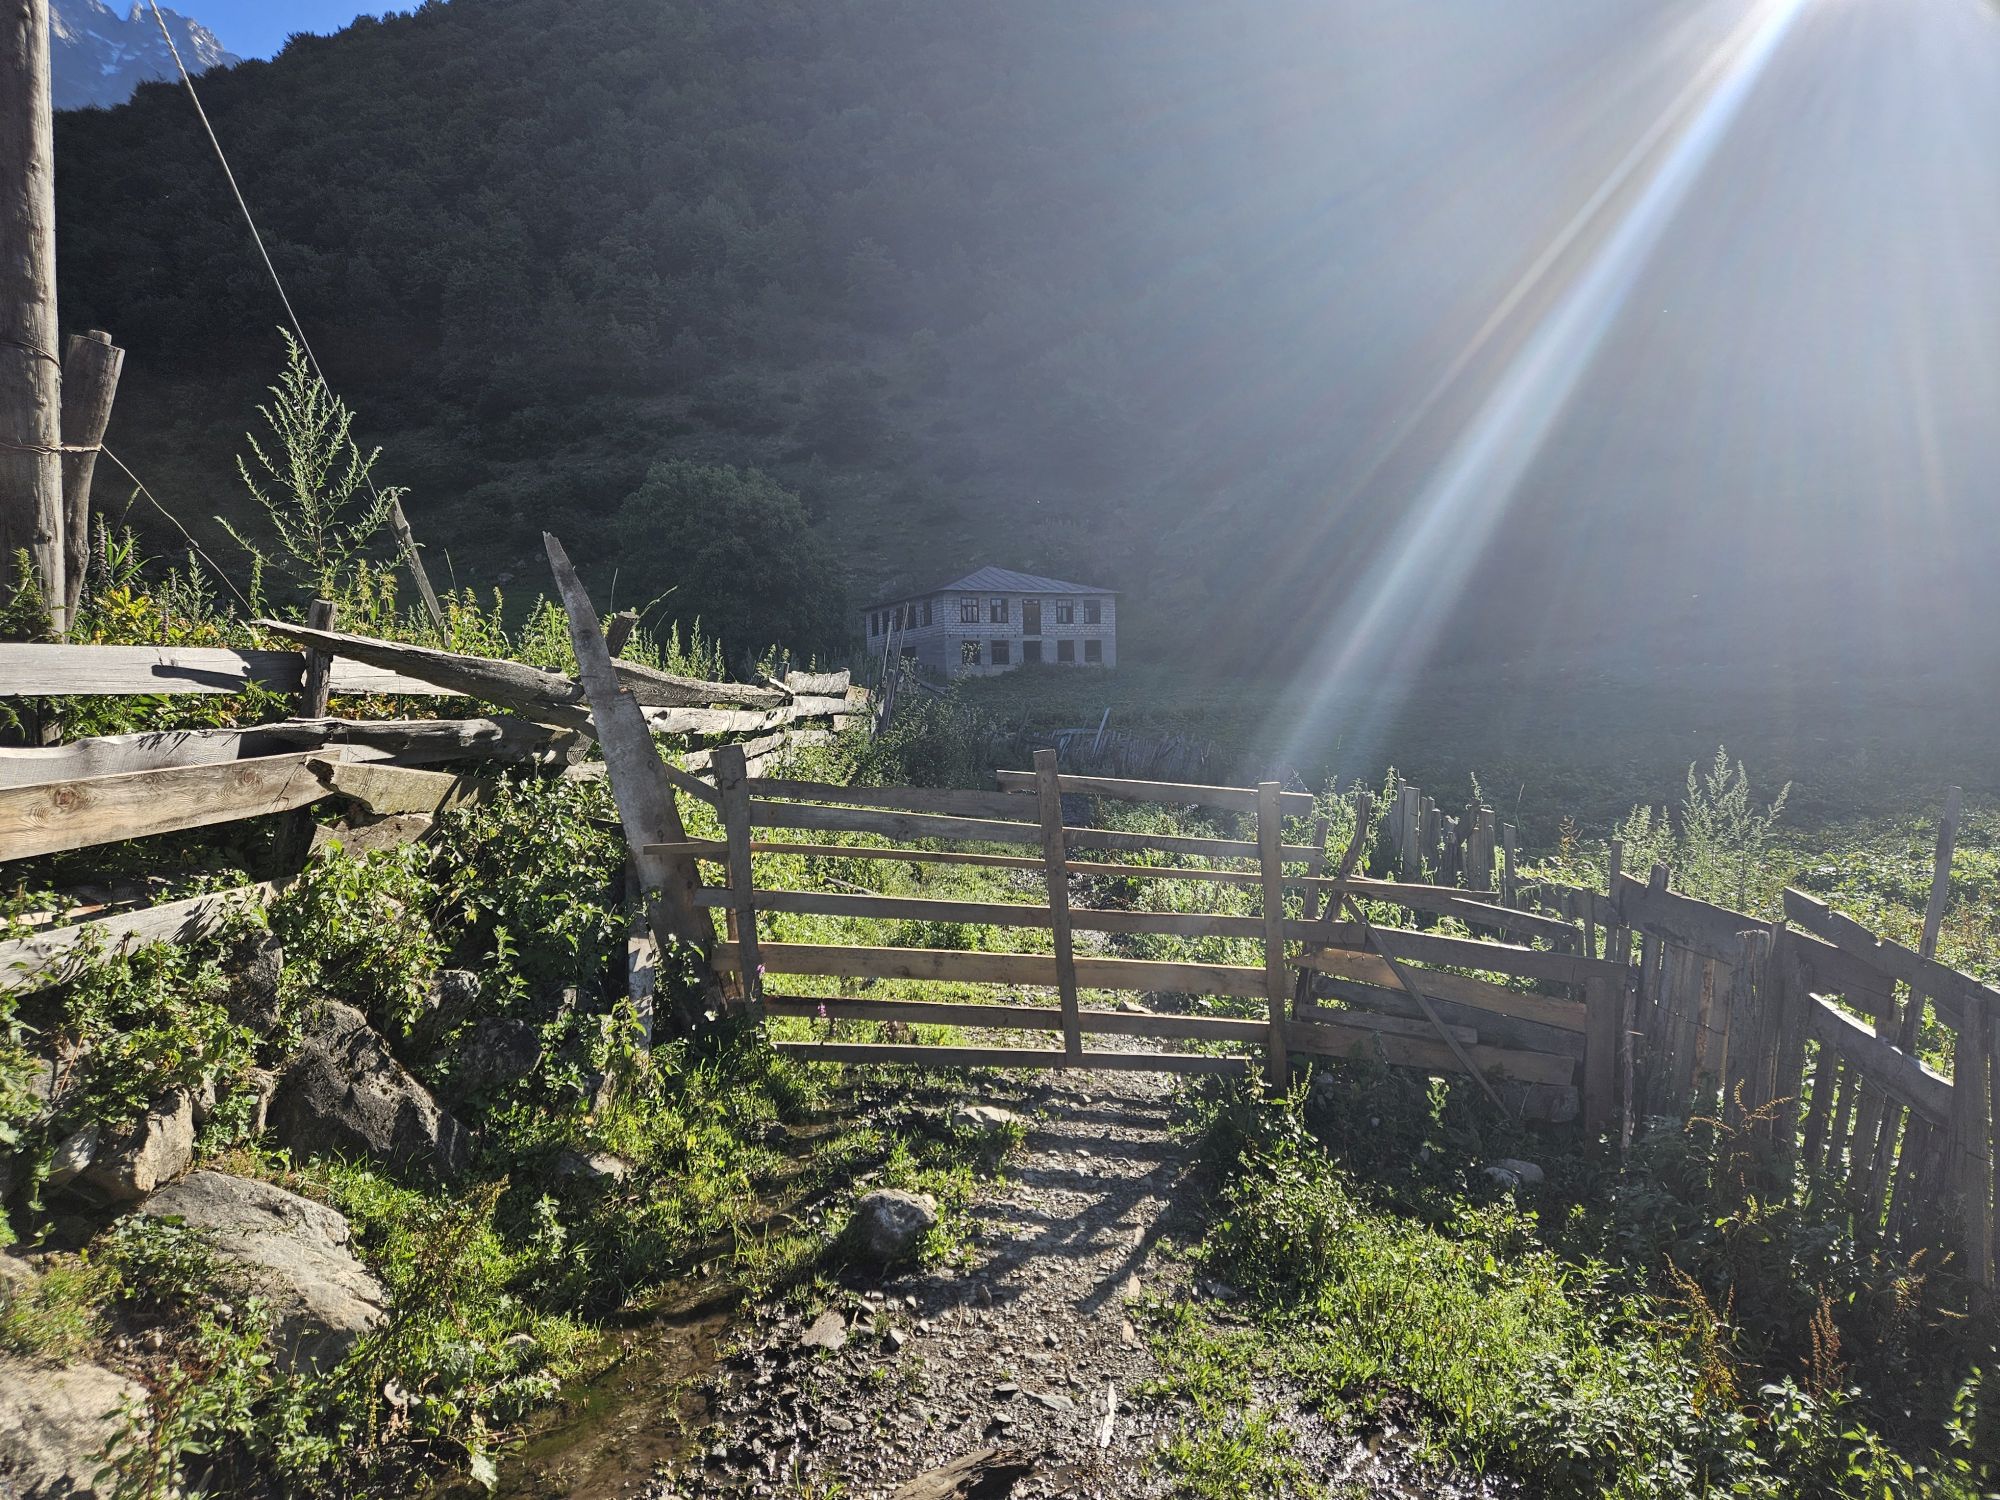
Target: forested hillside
(1159, 296)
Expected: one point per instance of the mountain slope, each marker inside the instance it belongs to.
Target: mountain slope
(1194, 299)
(98, 58)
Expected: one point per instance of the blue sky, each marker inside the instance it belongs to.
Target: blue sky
(258, 28)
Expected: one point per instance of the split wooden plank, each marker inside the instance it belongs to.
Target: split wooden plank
(1389, 1025)
(923, 1056)
(819, 684)
(368, 834)
(1360, 1042)
(998, 968)
(1604, 1006)
(1907, 1078)
(708, 721)
(1710, 930)
(1947, 989)
(50, 671)
(1947, 845)
(1242, 799)
(887, 823)
(993, 913)
(37, 820)
(902, 799)
(1017, 1017)
(1368, 968)
(44, 957)
(1487, 1026)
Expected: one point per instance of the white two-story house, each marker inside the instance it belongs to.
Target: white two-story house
(995, 620)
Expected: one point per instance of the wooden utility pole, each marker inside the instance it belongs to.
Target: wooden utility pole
(31, 495)
(90, 371)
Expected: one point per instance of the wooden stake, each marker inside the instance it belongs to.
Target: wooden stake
(1049, 790)
(295, 839)
(406, 539)
(1947, 843)
(618, 630)
(91, 366)
(31, 488)
(1277, 988)
(732, 785)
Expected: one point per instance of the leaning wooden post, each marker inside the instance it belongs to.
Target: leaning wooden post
(618, 630)
(1510, 880)
(646, 808)
(1970, 1113)
(1048, 787)
(1947, 844)
(732, 784)
(407, 541)
(1277, 986)
(91, 366)
(31, 492)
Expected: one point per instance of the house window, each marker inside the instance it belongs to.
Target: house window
(927, 611)
(1002, 656)
(996, 611)
(1031, 653)
(1093, 611)
(968, 653)
(1065, 611)
(968, 611)
(1065, 650)
(1093, 651)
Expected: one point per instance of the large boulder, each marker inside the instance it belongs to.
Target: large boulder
(890, 1223)
(293, 1252)
(148, 1153)
(56, 1425)
(346, 1094)
(496, 1053)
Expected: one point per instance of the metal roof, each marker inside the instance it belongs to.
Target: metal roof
(999, 581)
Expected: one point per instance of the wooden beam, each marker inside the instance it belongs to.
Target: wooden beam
(1242, 799)
(1474, 953)
(46, 671)
(1946, 987)
(389, 790)
(919, 1055)
(902, 799)
(731, 783)
(44, 957)
(1907, 1077)
(1017, 1018)
(993, 913)
(952, 965)
(110, 809)
(414, 560)
(911, 825)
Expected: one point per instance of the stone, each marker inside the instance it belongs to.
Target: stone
(16, 1277)
(983, 1118)
(55, 1424)
(293, 1252)
(346, 1094)
(495, 1053)
(144, 1156)
(597, 1169)
(72, 1156)
(890, 1223)
(1513, 1172)
(254, 987)
(828, 1332)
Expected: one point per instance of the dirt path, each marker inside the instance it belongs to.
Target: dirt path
(1028, 1349)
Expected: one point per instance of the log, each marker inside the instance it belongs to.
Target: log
(819, 684)
(44, 957)
(530, 690)
(989, 1474)
(45, 671)
(38, 820)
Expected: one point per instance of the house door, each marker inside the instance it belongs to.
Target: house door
(1031, 617)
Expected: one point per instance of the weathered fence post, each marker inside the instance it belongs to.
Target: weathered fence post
(732, 785)
(1048, 787)
(406, 539)
(1510, 881)
(91, 365)
(1277, 985)
(1947, 844)
(295, 836)
(1604, 1001)
(1970, 1129)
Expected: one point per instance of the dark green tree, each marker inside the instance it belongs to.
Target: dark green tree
(739, 553)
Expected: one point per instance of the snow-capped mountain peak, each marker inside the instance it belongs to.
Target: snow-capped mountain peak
(99, 57)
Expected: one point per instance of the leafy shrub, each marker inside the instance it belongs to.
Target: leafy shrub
(358, 929)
